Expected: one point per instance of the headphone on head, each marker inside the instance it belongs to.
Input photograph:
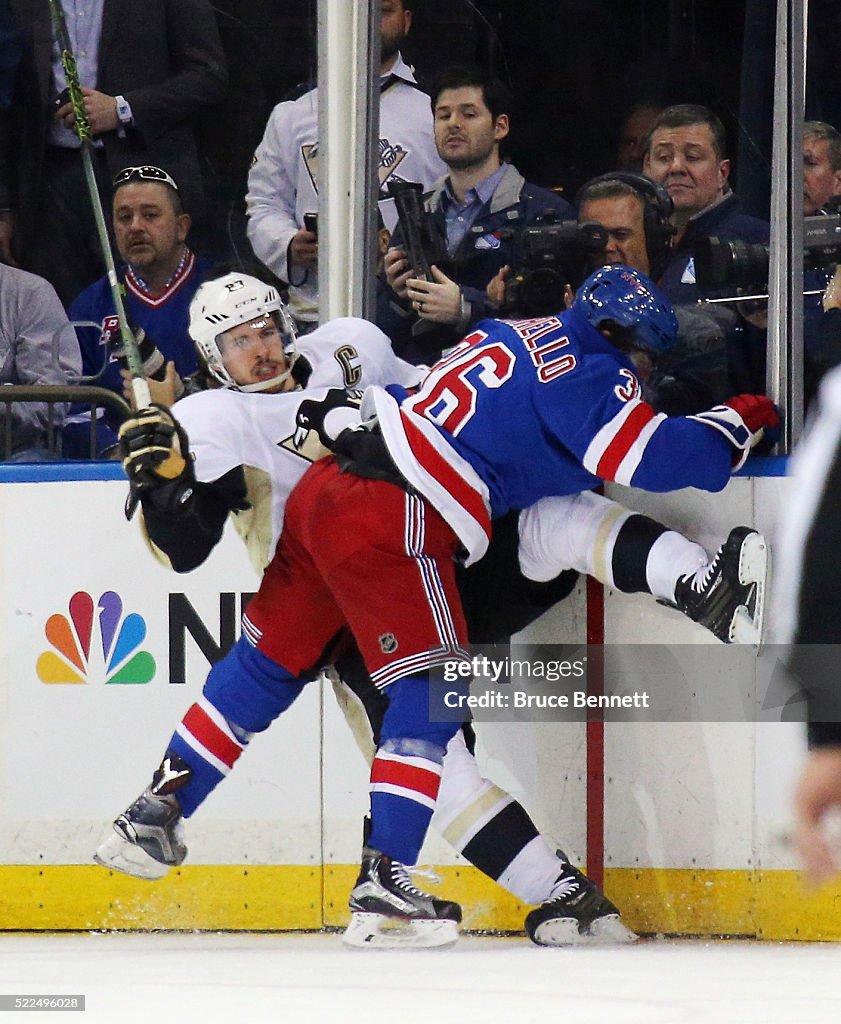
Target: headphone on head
(657, 211)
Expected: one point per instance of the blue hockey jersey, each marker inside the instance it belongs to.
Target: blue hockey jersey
(524, 409)
(165, 318)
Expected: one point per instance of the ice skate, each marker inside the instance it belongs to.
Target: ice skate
(389, 912)
(728, 596)
(147, 839)
(576, 913)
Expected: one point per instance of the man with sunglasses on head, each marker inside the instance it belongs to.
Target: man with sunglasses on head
(160, 275)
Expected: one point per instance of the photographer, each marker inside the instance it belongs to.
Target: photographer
(473, 215)
(728, 265)
(636, 216)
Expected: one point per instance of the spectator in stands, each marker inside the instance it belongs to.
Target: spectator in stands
(821, 165)
(633, 134)
(160, 275)
(37, 346)
(821, 313)
(283, 180)
(636, 213)
(685, 151)
(475, 212)
(146, 70)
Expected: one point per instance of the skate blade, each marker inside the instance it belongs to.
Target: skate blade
(606, 931)
(753, 559)
(611, 931)
(748, 623)
(375, 931)
(744, 628)
(118, 854)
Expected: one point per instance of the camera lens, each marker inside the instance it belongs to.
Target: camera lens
(543, 292)
(730, 263)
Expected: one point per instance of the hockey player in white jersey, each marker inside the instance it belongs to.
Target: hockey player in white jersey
(275, 440)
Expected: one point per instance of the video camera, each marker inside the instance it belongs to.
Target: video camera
(734, 263)
(548, 256)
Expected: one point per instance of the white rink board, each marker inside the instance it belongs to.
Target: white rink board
(74, 755)
(697, 794)
(709, 795)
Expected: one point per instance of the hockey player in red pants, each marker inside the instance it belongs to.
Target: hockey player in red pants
(233, 721)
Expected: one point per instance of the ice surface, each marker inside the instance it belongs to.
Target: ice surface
(205, 978)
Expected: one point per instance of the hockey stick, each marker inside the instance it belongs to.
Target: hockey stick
(139, 386)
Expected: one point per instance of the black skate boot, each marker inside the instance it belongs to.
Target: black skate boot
(389, 911)
(147, 839)
(728, 595)
(577, 912)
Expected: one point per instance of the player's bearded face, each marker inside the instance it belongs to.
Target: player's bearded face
(253, 352)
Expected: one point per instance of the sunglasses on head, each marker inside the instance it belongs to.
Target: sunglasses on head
(145, 173)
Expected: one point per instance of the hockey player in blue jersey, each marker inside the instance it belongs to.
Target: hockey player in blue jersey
(410, 579)
(520, 411)
(527, 408)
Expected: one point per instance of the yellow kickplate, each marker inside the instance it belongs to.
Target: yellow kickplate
(85, 897)
(763, 904)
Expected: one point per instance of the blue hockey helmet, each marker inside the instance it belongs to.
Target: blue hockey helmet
(629, 300)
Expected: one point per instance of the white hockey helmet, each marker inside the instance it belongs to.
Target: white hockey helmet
(228, 301)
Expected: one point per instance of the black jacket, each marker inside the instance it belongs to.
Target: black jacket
(164, 56)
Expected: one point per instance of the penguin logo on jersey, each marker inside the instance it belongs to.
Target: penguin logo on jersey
(391, 155)
(319, 420)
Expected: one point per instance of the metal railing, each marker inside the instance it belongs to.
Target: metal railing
(53, 395)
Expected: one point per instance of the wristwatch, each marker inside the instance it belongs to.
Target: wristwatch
(123, 111)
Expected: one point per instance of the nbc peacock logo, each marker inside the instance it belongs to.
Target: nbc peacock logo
(80, 656)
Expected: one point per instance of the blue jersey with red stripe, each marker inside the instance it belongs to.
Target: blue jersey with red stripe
(164, 317)
(530, 408)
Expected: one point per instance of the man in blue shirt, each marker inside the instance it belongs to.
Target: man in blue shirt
(474, 212)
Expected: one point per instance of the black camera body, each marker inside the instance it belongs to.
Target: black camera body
(744, 265)
(548, 256)
(423, 249)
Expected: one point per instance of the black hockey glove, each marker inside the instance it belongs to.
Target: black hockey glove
(154, 449)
